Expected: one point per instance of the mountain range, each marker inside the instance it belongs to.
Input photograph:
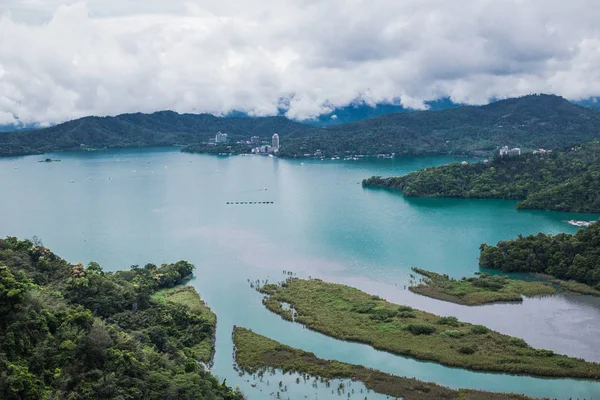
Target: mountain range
(530, 122)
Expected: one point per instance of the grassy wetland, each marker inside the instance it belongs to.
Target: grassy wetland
(349, 314)
(255, 353)
(482, 289)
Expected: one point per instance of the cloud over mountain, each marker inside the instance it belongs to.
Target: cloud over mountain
(60, 60)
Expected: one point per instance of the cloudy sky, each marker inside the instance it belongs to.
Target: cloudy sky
(65, 59)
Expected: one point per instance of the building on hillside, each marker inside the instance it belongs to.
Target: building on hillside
(255, 141)
(275, 142)
(505, 151)
(221, 137)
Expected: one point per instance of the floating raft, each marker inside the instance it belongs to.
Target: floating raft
(249, 202)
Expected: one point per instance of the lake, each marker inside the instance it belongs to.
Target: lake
(135, 206)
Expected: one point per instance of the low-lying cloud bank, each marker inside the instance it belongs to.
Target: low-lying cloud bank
(60, 61)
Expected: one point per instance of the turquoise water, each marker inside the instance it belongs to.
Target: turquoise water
(155, 205)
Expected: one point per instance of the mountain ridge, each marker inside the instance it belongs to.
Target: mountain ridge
(530, 121)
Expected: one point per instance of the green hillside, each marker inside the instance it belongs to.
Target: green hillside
(567, 180)
(75, 332)
(530, 122)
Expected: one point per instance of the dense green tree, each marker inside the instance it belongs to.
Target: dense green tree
(78, 333)
(569, 257)
(567, 180)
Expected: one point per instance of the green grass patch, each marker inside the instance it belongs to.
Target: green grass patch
(577, 287)
(332, 310)
(482, 289)
(254, 353)
(188, 297)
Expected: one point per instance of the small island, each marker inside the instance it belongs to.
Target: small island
(255, 353)
(49, 160)
(482, 289)
(349, 314)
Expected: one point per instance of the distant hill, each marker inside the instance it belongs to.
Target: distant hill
(162, 128)
(530, 122)
(534, 121)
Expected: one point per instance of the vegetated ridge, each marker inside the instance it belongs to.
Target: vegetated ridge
(255, 353)
(566, 180)
(349, 314)
(75, 332)
(564, 256)
(164, 128)
(529, 122)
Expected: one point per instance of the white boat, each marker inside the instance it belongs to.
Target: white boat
(579, 223)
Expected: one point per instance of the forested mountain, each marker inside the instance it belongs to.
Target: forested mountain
(530, 122)
(75, 332)
(567, 180)
(163, 128)
(564, 256)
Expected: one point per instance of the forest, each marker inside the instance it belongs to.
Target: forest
(164, 128)
(567, 180)
(529, 122)
(564, 256)
(77, 332)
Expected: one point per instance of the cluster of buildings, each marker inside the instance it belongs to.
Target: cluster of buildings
(506, 152)
(265, 149)
(258, 147)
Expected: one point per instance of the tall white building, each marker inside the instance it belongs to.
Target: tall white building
(221, 137)
(275, 141)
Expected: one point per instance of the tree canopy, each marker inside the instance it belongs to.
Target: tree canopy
(77, 332)
(564, 256)
(567, 180)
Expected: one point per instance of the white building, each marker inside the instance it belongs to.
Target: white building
(505, 151)
(275, 141)
(221, 137)
(255, 141)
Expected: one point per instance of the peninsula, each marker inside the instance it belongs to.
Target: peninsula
(566, 180)
(255, 353)
(75, 331)
(349, 314)
(574, 258)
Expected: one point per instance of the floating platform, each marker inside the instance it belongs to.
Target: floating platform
(249, 202)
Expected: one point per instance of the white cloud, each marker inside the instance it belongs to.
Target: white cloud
(60, 60)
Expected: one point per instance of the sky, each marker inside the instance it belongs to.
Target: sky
(61, 60)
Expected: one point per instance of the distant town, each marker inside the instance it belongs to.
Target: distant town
(255, 145)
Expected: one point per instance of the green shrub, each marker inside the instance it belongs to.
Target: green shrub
(479, 329)
(405, 309)
(466, 350)
(382, 314)
(517, 342)
(561, 362)
(420, 329)
(452, 321)
(544, 353)
(364, 308)
(375, 297)
(454, 334)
